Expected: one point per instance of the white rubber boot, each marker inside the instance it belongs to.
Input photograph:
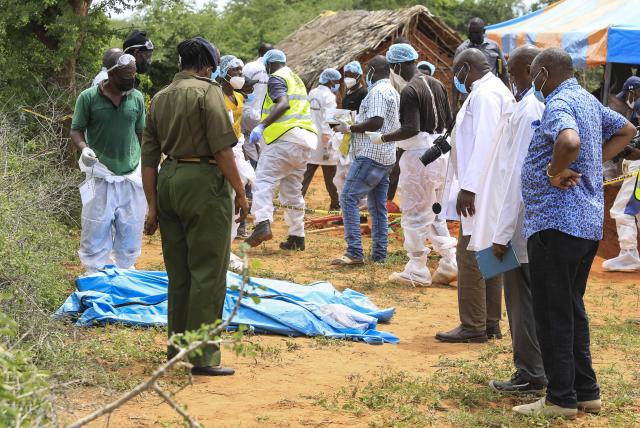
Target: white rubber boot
(627, 261)
(447, 271)
(415, 273)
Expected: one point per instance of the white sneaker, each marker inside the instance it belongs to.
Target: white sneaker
(541, 408)
(447, 271)
(627, 261)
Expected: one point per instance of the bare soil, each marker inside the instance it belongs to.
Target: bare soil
(281, 385)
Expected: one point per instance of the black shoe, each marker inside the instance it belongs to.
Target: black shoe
(212, 371)
(462, 335)
(494, 332)
(517, 385)
(293, 243)
(261, 233)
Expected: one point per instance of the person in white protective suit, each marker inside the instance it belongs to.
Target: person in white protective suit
(107, 125)
(287, 137)
(321, 99)
(424, 115)
(626, 225)
(232, 80)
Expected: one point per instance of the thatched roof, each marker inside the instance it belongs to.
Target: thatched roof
(334, 39)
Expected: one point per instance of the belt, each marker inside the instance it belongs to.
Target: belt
(194, 160)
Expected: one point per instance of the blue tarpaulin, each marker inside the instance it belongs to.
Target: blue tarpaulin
(140, 298)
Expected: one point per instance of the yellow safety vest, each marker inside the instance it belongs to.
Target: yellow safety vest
(298, 115)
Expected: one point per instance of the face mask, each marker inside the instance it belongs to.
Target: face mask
(215, 74)
(630, 103)
(350, 82)
(335, 88)
(398, 73)
(126, 85)
(538, 92)
(369, 77)
(461, 87)
(237, 82)
(142, 67)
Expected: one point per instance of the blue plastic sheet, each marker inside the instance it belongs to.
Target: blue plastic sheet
(140, 298)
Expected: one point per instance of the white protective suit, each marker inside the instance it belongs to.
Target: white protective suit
(421, 187)
(626, 225)
(252, 110)
(112, 218)
(321, 98)
(282, 165)
(248, 176)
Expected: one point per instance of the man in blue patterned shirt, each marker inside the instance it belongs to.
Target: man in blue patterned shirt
(564, 210)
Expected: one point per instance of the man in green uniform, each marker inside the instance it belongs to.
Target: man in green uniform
(191, 196)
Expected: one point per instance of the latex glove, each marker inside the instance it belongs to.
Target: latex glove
(343, 128)
(88, 157)
(375, 137)
(256, 134)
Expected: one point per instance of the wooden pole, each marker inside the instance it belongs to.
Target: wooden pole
(607, 84)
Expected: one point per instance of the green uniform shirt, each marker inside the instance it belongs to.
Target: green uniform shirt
(188, 118)
(111, 131)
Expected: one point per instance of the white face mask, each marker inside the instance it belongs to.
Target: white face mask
(630, 103)
(237, 82)
(350, 82)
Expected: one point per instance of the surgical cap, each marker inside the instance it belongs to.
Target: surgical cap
(274, 55)
(401, 52)
(329, 74)
(227, 62)
(353, 67)
(427, 64)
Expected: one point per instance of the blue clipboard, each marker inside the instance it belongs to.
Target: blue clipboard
(490, 266)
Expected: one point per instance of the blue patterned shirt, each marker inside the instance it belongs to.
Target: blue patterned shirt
(577, 211)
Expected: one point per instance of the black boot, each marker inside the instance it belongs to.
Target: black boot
(293, 243)
(261, 233)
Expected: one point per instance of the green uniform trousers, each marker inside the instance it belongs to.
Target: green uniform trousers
(195, 212)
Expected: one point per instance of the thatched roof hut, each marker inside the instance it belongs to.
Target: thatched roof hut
(335, 38)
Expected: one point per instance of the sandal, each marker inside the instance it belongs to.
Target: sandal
(346, 261)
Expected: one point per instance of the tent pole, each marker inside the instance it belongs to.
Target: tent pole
(607, 84)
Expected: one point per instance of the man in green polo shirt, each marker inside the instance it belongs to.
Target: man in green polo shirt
(107, 126)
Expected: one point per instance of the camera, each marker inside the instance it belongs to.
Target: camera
(440, 147)
(634, 144)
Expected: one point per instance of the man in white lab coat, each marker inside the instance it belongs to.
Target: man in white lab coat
(486, 109)
(500, 219)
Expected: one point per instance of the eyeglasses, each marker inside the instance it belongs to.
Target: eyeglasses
(123, 61)
(148, 45)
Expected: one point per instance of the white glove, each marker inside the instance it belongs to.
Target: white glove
(88, 157)
(375, 137)
(343, 128)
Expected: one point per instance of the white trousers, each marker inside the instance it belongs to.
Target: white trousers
(282, 165)
(626, 224)
(112, 224)
(420, 188)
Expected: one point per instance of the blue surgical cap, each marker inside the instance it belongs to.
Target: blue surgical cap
(427, 64)
(329, 74)
(227, 62)
(353, 67)
(401, 52)
(274, 55)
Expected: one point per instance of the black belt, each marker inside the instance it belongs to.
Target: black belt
(202, 160)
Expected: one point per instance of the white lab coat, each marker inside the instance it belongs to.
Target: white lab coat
(476, 135)
(501, 210)
(321, 98)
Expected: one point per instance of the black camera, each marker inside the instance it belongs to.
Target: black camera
(634, 144)
(440, 147)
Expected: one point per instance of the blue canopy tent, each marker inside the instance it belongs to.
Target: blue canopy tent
(594, 32)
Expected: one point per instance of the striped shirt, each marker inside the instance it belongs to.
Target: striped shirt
(381, 101)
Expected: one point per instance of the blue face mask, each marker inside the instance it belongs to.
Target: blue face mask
(215, 74)
(368, 78)
(459, 85)
(538, 92)
(335, 88)
(251, 97)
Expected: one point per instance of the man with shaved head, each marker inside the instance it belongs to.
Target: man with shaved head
(477, 40)
(107, 58)
(485, 110)
(499, 219)
(563, 219)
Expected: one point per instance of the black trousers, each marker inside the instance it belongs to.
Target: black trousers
(560, 265)
(328, 172)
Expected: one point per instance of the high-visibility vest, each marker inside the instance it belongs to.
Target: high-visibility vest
(299, 113)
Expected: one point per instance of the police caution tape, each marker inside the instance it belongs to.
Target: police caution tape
(325, 212)
(621, 178)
